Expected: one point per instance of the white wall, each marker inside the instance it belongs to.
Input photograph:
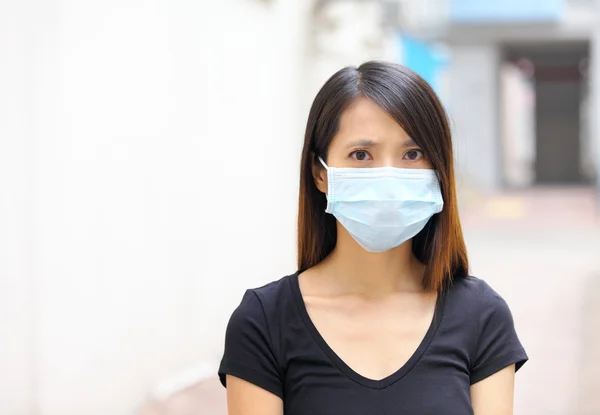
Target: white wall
(347, 33)
(151, 180)
(17, 361)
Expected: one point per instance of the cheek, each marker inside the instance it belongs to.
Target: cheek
(426, 164)
(423, 163)
(415, 164)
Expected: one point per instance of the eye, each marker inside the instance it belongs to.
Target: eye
(414, 155)
(361, 155)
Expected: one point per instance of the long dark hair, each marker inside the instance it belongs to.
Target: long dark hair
(409, 99)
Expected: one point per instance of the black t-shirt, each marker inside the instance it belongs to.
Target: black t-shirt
(271, 342)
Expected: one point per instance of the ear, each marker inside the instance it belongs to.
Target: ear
(319, 174)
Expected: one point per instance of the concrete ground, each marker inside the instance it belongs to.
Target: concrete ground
(540, 249)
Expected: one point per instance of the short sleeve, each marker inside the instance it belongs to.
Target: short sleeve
(248, 352)
(498, 345)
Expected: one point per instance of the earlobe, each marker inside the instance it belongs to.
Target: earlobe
(319, 175)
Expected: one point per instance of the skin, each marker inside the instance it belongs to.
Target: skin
(351, 288)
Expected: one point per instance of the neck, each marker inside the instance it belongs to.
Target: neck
(355, 270)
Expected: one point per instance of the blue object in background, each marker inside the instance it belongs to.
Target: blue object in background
(505, 11)
(421, 58)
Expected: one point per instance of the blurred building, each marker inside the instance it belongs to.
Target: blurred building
(516, 77)
(523, 79)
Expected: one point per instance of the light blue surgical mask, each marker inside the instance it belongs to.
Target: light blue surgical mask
(382, 207)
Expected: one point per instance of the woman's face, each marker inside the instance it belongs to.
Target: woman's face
(369, 137)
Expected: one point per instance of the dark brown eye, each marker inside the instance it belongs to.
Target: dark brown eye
(360, 155)
(413, 155)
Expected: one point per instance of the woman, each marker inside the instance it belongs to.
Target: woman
(382, 317)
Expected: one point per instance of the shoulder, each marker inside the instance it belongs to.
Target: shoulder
(253, 346)
(479, 304)
(265, 302)
(487, 324)
(471, 305)
(477, 294)
(273, 291)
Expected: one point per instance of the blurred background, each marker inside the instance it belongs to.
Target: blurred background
(149, 164)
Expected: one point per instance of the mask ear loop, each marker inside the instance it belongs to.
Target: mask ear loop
(323, 163)
(330, 194)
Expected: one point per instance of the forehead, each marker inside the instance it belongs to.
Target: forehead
(363, 118)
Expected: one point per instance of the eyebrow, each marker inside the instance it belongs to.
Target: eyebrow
(409, 142)
(362, 143)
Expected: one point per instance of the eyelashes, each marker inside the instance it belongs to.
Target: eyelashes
(413, 151)
(361, 154)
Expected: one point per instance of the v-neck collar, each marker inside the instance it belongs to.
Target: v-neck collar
(347, 370)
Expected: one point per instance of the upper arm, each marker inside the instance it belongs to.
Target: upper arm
(495, 394)
(250, 360)
(497, 343)
(245, 398)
